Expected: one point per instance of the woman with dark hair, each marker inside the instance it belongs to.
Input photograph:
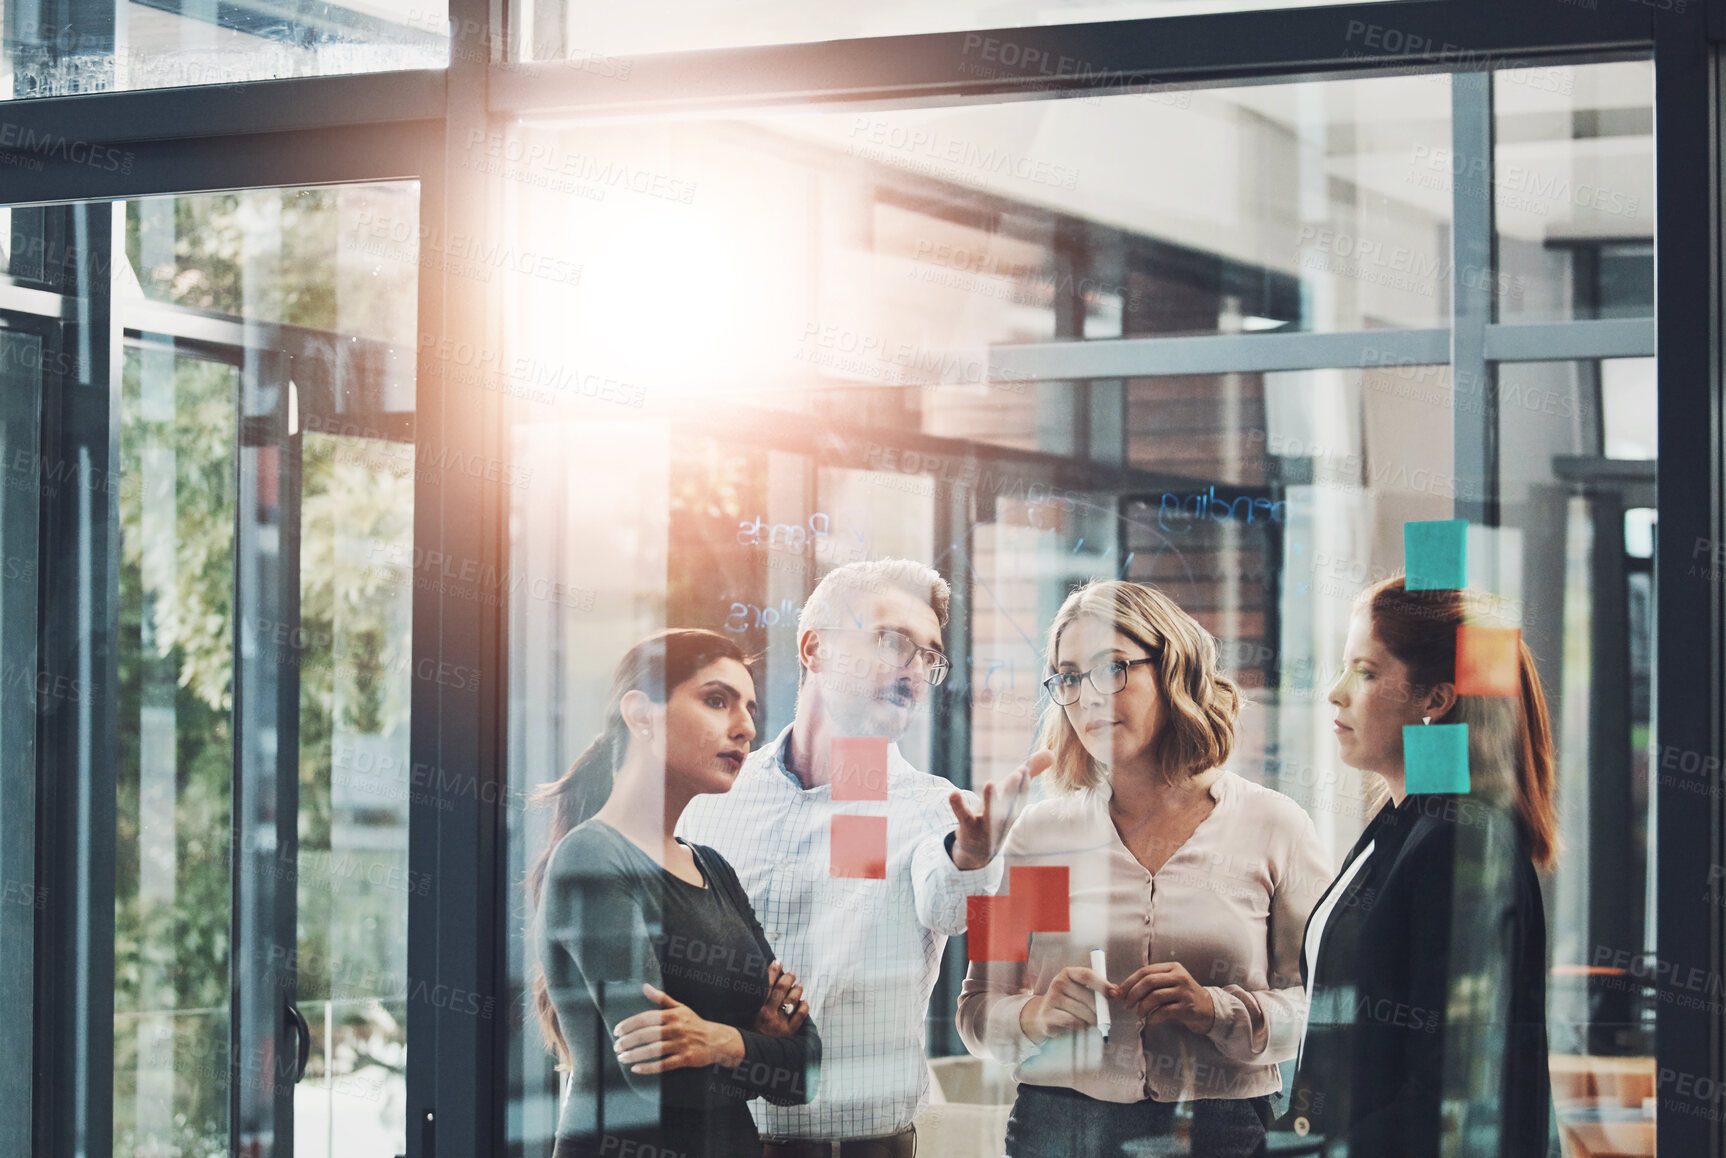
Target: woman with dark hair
(657, 989)
(1425, 960)
(1187, 884)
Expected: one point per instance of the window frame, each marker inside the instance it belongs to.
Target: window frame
(419, 125)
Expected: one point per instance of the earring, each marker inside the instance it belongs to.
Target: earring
(1426, 719)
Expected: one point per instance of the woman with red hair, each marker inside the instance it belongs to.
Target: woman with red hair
(1425, 960)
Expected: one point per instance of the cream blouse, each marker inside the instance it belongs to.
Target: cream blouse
(1230, 904)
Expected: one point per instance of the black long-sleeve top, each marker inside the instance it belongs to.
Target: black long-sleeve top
(1428, 998)
(611, 919)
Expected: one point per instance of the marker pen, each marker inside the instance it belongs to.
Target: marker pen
(1100, 966)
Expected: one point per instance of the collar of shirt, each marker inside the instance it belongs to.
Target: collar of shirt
(1220, 790)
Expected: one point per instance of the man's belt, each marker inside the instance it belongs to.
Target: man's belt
(900, 1145)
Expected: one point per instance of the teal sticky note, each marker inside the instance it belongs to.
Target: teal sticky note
(1435, 757)
(1435, 554)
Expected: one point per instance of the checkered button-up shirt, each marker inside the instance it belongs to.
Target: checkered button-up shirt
(865, 951)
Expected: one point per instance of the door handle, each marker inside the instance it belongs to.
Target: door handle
(303, 1033)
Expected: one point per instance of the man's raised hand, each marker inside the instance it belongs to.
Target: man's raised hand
(981, 834)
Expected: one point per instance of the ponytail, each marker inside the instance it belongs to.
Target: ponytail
(573, 798)
(576, 795)
(1535, 806)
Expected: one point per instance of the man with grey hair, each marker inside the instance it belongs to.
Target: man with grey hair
(859, 866)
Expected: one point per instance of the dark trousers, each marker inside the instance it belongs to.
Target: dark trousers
(1055, 1122)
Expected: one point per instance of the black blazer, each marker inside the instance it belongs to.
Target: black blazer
(1428, 998)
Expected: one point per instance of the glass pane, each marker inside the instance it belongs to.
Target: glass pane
(1574, 191)
(129, 45)
(265, 507)
(829, 390)
(356, 596)
(176, 780)
(945, 234)
(1579, 507)
(583, 31)
(174, 906)
(1626, 390)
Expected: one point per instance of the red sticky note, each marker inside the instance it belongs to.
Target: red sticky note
(1040, 893)
(993, 931)
(1487, 661)
(858, 847)
(859, 767)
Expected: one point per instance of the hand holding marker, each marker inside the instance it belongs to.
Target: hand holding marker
(1100, 966)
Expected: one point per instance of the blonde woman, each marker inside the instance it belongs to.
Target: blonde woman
(1194, 882)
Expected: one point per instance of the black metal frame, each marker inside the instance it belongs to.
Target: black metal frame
(75, 793)
(417, 125)
(1689, 643)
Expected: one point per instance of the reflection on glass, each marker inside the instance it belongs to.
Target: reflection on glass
(173, 860)
(1574, 191)
(126, 45)
(940, 234)
(355, 680)
(1627, 390)
(782, 356)
(1578, 493)
(274, 297)
(338, 259)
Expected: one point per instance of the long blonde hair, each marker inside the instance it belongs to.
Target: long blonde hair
(1200, 704)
